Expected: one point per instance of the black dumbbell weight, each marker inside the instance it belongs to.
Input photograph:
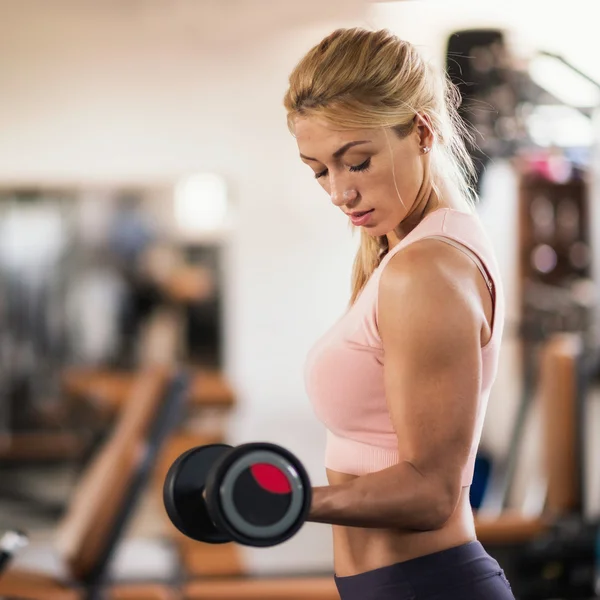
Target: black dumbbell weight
(256, 494)
(183, 493)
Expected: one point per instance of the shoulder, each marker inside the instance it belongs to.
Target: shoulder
(428, 265)
(429, 283)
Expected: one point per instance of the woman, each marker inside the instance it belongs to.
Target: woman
(402, 380)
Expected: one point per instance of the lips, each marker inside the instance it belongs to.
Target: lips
(361, 217)
(356, 215)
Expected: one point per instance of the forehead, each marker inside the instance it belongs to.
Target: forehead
(317, 135)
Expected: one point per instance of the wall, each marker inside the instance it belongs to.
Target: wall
(149, 91)
(569, 28)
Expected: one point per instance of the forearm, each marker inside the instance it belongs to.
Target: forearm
(399, 497)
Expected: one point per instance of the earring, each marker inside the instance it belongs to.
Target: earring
(426, 149)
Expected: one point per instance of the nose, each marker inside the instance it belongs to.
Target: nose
(340, 195)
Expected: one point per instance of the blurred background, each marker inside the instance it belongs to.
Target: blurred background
(155, 220)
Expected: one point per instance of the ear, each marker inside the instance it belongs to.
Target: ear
(424, 130)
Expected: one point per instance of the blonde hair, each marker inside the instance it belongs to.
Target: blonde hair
(359, 79)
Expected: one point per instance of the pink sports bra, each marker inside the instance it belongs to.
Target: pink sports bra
(344, 370)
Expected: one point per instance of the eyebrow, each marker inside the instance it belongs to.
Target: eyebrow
(340, 151)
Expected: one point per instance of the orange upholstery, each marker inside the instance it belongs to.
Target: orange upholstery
(297, 588)
(209, 387)
(109, 390)
(510, 527)
(189, 284)
(41, 446)
(210, 560)
(105, 390)
(82, 536)
(83, 533)
(26, 585)
(558, 407)
(142, 592)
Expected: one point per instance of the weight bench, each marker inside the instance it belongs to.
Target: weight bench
(105, 499)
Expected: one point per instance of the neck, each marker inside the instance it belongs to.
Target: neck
(425, 203)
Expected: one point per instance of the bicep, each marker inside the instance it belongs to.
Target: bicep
(430, 328)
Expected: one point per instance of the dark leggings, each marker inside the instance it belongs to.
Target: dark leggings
(465, 572)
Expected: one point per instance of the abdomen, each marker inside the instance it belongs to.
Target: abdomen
(357, 549)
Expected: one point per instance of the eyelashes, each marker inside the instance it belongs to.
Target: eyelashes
(354, 169)
(363, 166)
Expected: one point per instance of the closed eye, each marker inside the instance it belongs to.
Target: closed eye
(362, 167)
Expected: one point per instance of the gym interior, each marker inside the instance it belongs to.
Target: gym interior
(166, 263)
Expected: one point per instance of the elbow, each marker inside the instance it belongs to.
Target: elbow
(441, 506)
(441, 512)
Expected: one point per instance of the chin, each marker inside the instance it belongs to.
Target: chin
(378, 229)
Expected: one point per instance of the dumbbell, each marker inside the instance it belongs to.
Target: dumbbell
(255, 494)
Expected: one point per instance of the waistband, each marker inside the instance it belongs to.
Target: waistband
(425, 575)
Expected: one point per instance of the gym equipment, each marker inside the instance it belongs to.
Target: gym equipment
(564, 563)
(10, 543)
(478, 62)
(256, 494)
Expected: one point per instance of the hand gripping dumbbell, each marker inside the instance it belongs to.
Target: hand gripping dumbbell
(255, 494)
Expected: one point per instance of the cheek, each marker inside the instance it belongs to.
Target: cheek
(407, 184)
(386, 189)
